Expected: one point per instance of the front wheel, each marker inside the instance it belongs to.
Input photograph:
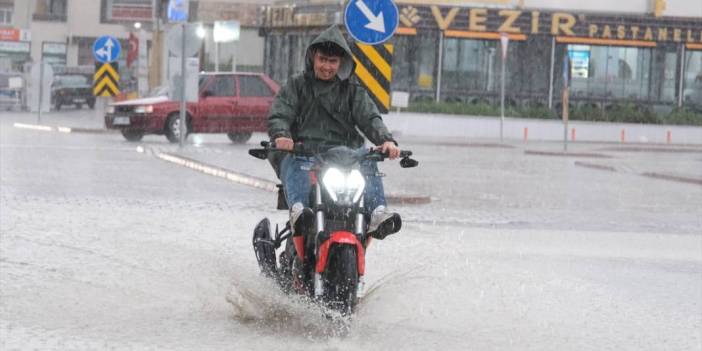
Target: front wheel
(239, 138)
(341, 279)
(132, 135)
(173, 129)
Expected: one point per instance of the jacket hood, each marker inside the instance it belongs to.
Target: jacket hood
(332, 34)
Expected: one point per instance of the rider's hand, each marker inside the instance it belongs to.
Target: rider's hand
(390, 149)
(284, 143)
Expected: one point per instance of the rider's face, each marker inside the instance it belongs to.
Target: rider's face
(325, 67)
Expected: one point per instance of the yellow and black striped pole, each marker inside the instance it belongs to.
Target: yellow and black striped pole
(374, 71)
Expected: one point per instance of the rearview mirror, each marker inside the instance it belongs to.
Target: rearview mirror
(408, 163)
(207, 93)
(259, 153)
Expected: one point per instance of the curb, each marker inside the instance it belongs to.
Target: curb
(263, 184)
(60, 129)
(566, 154)
(661, 149)
(664, 176)
(239, 178)
(672, 177)
(595, 166)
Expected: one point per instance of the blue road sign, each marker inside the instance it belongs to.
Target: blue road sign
(106, 49)
(178, 10)
(371, 21)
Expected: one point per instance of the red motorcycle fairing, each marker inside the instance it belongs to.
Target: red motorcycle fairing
(341, 237)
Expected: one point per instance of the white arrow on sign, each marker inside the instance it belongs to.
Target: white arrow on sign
(377, 23)
(106, 51)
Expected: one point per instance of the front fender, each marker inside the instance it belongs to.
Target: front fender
(341, 238)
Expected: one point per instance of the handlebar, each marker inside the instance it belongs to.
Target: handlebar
(300, 149)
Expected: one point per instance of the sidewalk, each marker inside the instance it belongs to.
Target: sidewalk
(519, 129)
(454, 127)
(83, 119)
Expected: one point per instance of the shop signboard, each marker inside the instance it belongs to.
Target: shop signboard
(14, 46)
(226, 31)
(14, 34)
(54, 48)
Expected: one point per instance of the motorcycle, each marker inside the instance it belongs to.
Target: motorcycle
(325, 257)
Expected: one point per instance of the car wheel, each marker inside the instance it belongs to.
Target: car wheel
(79, 106)
(58, 106)
(132, 135)
(173, 128)
(239, 138)
(91, 104)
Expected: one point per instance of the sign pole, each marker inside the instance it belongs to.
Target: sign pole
(566, 108)
(566, 99)
(217, 57)
(41, 88)
(182, 129)
(504, 41)
(502, 102)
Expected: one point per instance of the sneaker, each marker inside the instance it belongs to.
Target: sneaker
(383, 223)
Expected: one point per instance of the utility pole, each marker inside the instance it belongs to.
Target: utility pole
(156, 57)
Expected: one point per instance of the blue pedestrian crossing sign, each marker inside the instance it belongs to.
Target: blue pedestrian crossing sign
(371, 21)
(106, 49)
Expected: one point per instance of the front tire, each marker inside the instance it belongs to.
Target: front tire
(341, 279)
(132, 135)
(239, 138)
(173, 128)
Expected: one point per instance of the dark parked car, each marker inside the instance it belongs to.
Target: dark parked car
(233, 103)
(72, 89)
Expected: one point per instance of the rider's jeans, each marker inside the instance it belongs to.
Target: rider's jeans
(294, 171)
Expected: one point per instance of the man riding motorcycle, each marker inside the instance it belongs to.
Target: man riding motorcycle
(322, 107)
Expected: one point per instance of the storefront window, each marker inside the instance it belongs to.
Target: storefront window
(669, 76)
(13, 55)
(469, 69)
(400, 65)
(611, 73)
(54, 53)
(414, 65)
(692, 91)
(472, 71)
(277, 66)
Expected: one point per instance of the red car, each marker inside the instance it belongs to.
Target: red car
(232, 103)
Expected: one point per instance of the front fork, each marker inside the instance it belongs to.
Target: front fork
(358, 230)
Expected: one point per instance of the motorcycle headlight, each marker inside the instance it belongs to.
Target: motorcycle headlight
(344, 187)
(144, 109)
(110, 109)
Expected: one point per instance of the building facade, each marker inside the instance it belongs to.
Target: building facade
(62, 33)
(646, 53)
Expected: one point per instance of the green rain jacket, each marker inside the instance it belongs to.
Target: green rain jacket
(317, 112)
